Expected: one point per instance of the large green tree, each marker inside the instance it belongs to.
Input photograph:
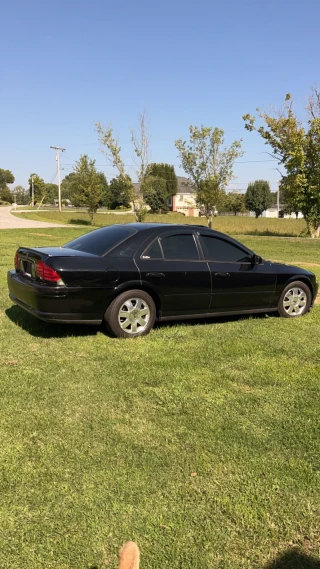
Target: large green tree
(21, 195)
(167, 172)
(66, 186)
(6, 177)
(155, 193)
(6, 195)
(296, 146)
(121, 192)
(39, 187)
(86, 189)
(51, 192)
(209, 165)
(258, 197)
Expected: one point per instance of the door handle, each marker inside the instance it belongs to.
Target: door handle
(221, 275)
(155, 275)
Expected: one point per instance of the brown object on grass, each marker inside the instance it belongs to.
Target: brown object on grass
(129, 556)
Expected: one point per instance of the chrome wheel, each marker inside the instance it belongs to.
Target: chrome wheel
(295, 301)
(134, 315)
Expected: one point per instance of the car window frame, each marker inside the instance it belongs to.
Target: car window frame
(145, 258)
(162, 236)
(241, 248)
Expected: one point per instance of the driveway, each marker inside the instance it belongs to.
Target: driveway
(8, 221)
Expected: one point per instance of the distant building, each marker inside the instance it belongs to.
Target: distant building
(272, 211)
(185, 199)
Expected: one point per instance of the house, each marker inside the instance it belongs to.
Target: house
(273, 211)
(185, 199)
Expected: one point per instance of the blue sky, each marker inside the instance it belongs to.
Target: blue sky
(67, 64)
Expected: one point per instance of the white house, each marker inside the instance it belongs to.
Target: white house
(272, 211)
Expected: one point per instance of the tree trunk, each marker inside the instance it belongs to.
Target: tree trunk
(257, 214)
(91, 216)
(316, 231)
(209, 219)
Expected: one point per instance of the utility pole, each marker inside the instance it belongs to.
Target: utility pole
(58, 149)
(32, 192)
(278, 199)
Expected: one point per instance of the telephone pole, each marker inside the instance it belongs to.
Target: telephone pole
(58, 149)
(32, 192)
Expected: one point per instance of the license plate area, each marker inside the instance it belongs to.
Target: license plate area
(27, 268)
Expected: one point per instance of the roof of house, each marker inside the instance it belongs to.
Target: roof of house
(185, 186)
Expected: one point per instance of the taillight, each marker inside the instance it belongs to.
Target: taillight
(46, 273)
(16, 261)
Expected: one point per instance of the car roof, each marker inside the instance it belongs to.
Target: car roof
(148, 225)
(165, 226)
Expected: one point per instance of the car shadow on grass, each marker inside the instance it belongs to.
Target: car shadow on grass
(294, 559)
(215, 320)
(41, 329)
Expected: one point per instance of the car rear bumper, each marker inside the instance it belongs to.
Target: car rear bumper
(50, 303)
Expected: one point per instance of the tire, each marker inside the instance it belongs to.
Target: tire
(131, 314)
(295, 300)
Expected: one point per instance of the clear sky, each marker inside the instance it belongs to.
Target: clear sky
(67, 64)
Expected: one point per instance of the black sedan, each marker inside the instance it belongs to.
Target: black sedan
(131, 275)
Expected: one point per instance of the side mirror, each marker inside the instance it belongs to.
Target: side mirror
(256, 260)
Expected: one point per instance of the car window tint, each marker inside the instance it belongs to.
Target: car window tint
(216, 249)
(153, 252)
(180, 247)
(100, 241)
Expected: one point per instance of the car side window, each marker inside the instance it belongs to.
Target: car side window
(219, 250)
(153, 251)
(180, 247)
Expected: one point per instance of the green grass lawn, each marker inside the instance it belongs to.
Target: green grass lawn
(228, 224)
(200, 441)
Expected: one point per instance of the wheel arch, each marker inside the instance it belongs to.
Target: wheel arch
(138, 286)
(303, 279)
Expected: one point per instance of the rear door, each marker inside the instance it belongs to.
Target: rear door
(237, 284)
(172, 266)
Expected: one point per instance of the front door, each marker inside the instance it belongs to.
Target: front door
(237, 284)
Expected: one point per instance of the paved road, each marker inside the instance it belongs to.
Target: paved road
(8, 221)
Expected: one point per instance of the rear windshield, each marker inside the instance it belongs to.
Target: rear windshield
(100, 241)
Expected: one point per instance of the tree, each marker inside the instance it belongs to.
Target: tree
(210, 197)
(155, 193)
(86, 189)
(141, 144)
(112, 151)
(167, 172)
(235, 202)
(39, 187)
(121, 192)
(6, 177)
(21, 195)
(258, 197)
(296, 146)
(51, 192)
(6, 195)
(110, 148)
(66, 186)
(105, 199)
(208, 164)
